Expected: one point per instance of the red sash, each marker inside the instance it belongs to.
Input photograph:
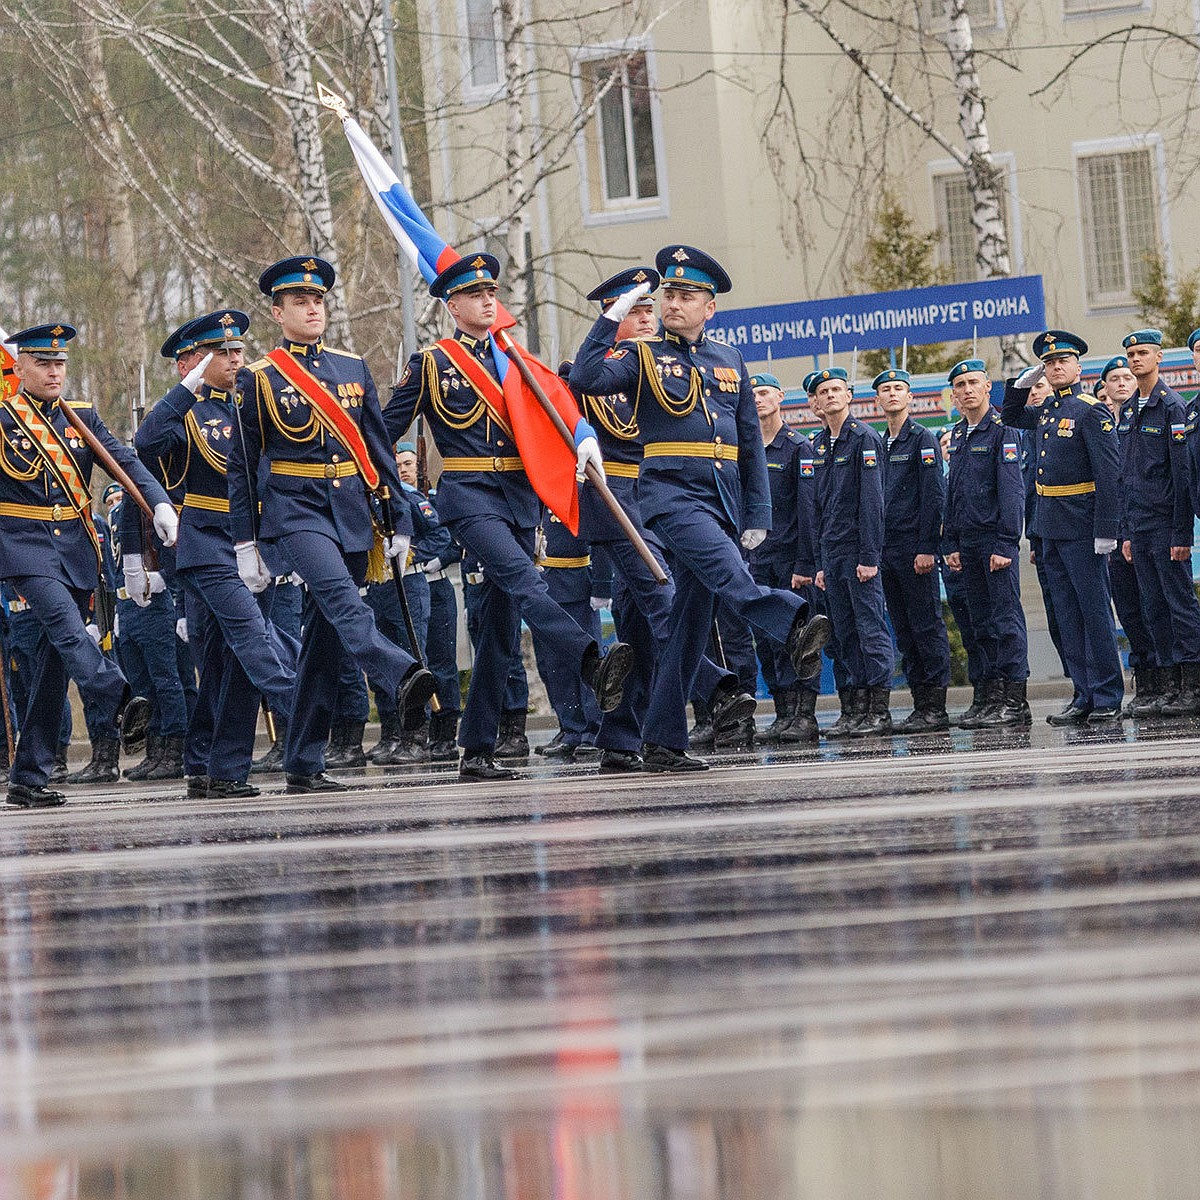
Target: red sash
(328, 412)
(480, 378)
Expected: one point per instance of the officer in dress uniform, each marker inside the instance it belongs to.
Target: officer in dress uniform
(185, 439)
(914, 494)
(1157, 521)
(1077, 518)
(848, 509)
(310, 424)
(641, 606)
(701, 485)
(487, 500)
(981, 536)
(49, 555)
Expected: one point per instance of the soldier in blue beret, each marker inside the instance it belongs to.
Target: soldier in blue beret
(1077, 518)
(981, 534)
(311, 447)
(486, 498)
(1157, 525)
(186, 439)
(703, 482)
(914, 493)
(51, 556)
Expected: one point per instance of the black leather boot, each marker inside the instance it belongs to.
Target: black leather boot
(701, 735)
(59, 773)
(785, 714)
(348, 750)
(979, 699)
(854, 707)
(929, 710)
(512, 742)
(1187, 702)
(142, 770)
(737, 737)
(990, 705)
(803, 730)
(443, 729)
(169, 764)
(877, 720)
(103, 768)
(478, 765)
(1147, 693)
(408, 748)
(1013, 710)
(389, 735)
(273, 759)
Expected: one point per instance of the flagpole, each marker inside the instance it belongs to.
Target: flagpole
(594, 477)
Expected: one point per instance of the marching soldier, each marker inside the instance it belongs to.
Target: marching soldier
(50, 555)
(981, 535)
(310, 425)
(702, 483)
(485, 496)
(914, 493)
(1077, 518)
(186, 437)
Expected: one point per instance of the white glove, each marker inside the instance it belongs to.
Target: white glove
(137, 584)
(589, 452)
(157, 583)
(295, 580)
(397, 546)
(166, 523)
(433, 566)
(621, 307)
(93, 631)
(753, 538)
(195, 377)
(599, 602)
(1029, 376)
(250, 567)
(181, 629)
(116, 625)
(1105, 545)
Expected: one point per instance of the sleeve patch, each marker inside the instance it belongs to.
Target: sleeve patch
(1011, 452)
(870, 458)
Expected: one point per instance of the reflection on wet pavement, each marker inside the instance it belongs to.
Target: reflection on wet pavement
(962, 966)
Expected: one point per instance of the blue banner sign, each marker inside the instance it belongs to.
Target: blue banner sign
(954, 313)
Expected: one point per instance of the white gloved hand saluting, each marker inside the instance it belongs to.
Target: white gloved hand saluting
(397, 546)
(753, 538)
(621, 307)
(137, 586)
(181, 629)
(588, 451)
(1104, 545)
(166, 523)
(250, 567)
(1029, 376)
(195, 377)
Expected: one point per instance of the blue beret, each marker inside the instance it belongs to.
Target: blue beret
(406, 447)
(289, 274)
(621, 282)
(480, 269)
(820, 377)
(44, 341)
(1113, 363)
(892, 374)
(112, 489)
(685, 266)
(967, 364)
(1054, 343)
(763, 379)
(1142, 337)
(1193, 338)
(809, 382)
(225, 327)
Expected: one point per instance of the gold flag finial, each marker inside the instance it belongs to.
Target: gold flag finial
(332, 101)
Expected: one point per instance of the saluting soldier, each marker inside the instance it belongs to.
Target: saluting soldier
(50, 555)
(186, 439)
(485, 497)
(914, 493)
(1077, 518)
(702, 484)
(981, 536)
(311, 427)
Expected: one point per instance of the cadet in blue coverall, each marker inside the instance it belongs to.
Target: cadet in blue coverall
(49, 555)
(311, 467)
(1077, 518)
(981, 536)
(914, 494)
(702, 483)
(186, 438)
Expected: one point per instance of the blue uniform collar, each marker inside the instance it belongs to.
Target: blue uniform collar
(46, 406)
(675, 340)
(1076, 389)
(212, 393)
(305, 349)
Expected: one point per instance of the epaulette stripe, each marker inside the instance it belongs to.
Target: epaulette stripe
(79, 404)
(259, 364)
(342, 353)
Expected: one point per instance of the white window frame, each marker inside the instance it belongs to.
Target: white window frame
(1158, 164)
(472, 92)
(938, 28)
(617, 212)
(1006, 161)
(1105, 8)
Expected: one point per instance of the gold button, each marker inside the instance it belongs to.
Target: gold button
(497, 464)
(58, 533)
(717, 440)
(718, 464)
(337, 483)
(500, 444)
(1040, 471)
(56, 512)
(330, 470)
(335, 458)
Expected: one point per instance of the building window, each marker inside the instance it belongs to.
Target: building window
(483, 56)
(621, 141)
(1118, 201)
(935, 14)
(952, 205)
(1073, 8)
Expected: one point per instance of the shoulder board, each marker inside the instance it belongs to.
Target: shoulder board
(1089, 399)
(79, 404)
(342, 353)
(654, 337)
(259, 364)
(854, 424)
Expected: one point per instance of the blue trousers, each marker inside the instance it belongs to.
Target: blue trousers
(914, 603)
(707, 563)
(63, 650)
(1079, 581)
(516, 686)
(241, 658)
(1039, 565)
(23, 634)
(1127, 600)
(148, 658)
(1169, 604)
(336, 622)
(997, 618)
(956, 598)
(441, 643)
(572, 700)
(777, 670)
(385, 604)
(513, 589)
(859, 626)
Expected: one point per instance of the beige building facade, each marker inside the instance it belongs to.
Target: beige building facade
(738, 126)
